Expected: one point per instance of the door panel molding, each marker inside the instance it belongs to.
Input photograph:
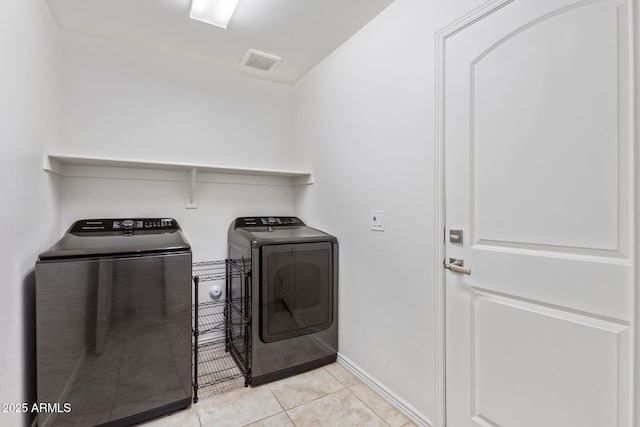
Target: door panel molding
(628, 250)
(570, 314)
(618, 247)
(482, 421)
(574, 252)
(517, 351)
(532, 24)
(609, 219)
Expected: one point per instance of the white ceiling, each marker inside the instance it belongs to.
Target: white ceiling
(302, 32)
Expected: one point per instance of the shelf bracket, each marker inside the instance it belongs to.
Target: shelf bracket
(191, 199)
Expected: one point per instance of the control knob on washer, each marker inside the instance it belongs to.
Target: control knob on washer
(271, 220)
(128, 223)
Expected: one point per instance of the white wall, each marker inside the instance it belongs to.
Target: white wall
(29, 124)
(205, 227)
(123, 101)
(365, 124)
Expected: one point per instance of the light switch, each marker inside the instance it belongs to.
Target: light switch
(377, 220)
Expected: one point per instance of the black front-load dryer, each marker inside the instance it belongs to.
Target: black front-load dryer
(294, 294)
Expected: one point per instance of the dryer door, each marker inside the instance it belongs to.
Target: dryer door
(296, 290)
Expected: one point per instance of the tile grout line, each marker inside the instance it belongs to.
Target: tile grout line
(314, 399)
(277, 400)
(348, 387)
(194, 406)
(343, 387)
(288, 416)
(336, 378)
(370, 408)
(407, 410)
(272, 415)
(297, 406)
(262, 419)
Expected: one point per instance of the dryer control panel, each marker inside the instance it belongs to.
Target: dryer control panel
(117, 224)
(268, 221)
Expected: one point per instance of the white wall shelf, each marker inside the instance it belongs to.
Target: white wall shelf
(122, 168)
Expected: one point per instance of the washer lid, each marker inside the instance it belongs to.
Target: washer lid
(108, 237)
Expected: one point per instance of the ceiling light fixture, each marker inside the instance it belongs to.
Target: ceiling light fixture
(214, 12)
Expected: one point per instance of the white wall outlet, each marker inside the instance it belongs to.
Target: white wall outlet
(377, 220)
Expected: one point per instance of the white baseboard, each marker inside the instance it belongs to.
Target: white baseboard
(393, 399)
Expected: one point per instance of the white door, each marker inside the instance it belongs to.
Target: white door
(539, 166)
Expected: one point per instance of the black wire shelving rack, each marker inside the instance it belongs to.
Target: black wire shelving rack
(221, 329)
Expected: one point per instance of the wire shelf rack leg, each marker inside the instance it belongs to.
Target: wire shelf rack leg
(227, 311)
(247, 329)
(196, 333)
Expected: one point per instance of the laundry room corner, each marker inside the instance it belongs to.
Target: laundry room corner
(146, 106)
(365, 125)
(30, 111)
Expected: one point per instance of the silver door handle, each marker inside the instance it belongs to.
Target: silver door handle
(457, 266)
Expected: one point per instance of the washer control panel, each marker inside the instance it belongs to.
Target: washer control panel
(268, 221)
(110, 225)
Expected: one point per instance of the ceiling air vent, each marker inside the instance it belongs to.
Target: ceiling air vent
(260, 60)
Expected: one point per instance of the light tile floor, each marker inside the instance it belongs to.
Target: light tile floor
(327, 396)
